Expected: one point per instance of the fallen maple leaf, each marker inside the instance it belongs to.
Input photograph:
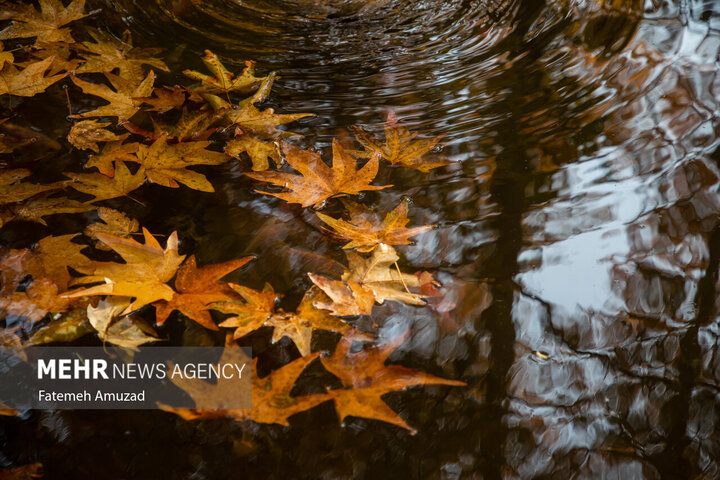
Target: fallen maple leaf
(221, 80)
(164, 99)
(103, 187)
(249, 118)
(165, 163)
(46, 24)
(29, 81)
(366, 379)
(113, 152)
(13, 189)
(108, 53)
(35, 209)
(123, 103)
(317, 181)
(250, 314)
(67, 327)
(144, 275)
(197, 288)
(258, 150)
(299, 325)
(366, 230)
(380, 274)
(114, 223)
(47, 264)
(271, 399)
(125, 331)
(400, 146)
(86, 134)
(347, 299)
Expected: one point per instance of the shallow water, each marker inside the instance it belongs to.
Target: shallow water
(578, 240)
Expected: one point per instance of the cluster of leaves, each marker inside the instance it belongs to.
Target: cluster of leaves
(147, 133)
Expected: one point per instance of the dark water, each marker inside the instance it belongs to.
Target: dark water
(578, 240)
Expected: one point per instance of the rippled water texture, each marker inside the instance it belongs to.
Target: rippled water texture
(578, 238)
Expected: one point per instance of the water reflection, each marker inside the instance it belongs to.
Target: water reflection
(577, 237)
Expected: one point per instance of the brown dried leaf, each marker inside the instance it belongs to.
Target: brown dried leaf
(251, 314)
(112, 327)
(258, 150)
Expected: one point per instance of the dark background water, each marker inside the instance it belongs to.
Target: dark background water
(578, 240)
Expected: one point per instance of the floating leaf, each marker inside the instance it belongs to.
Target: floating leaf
(114, 223)
(317, 181)
(166, 164)
(197, 288)
(86, 134)
(123, 103)
(348, 299)
(144, 275)
(103, 187)
(400, 146)
(46, 24)
(124, 331)
(29, 81)
(111, 153)
(380, 274)
(258, 150)
(221, 80)
(250, 314)
(366, 230)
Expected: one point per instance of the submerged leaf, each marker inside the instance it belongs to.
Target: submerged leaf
(366, 379)
(108, 53)
(271, 399)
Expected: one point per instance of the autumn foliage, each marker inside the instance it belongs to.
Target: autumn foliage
(106, 278)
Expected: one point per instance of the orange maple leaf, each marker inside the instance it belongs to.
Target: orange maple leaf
(271, 399)
(317, 181)
(197, 288)
(144, 276)
(366, 230)
(366, 379)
